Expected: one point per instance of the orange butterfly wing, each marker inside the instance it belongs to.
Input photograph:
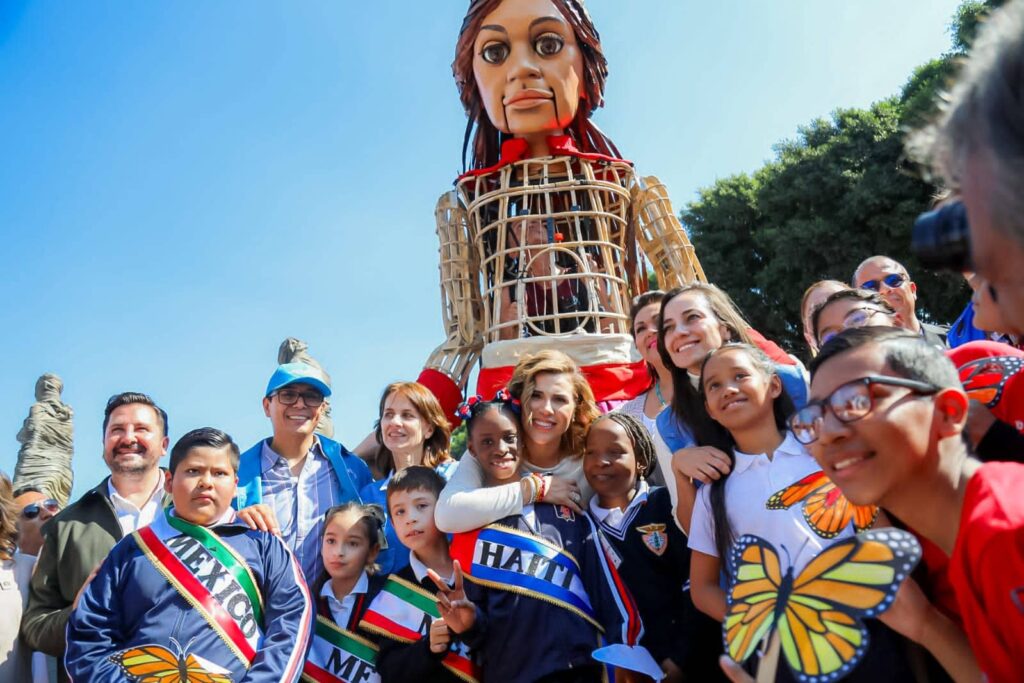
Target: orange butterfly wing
(157, 664)
(825, 508)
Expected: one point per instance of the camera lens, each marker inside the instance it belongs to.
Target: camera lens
(941, 239)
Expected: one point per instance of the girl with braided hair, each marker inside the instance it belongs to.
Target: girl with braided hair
(653, 557)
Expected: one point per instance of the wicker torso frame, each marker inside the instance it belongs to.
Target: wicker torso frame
(564, 239)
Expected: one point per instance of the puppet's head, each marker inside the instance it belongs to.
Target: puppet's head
(529, 69)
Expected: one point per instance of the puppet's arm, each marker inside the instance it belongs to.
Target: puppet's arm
(662, 237)
(447, 368)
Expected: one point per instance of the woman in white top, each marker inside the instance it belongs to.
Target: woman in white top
(557, 406)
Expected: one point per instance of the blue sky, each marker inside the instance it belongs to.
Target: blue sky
(183, 185)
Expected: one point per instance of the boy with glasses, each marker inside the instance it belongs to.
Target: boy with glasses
(885, 422)
(288, 481)
(889, 278)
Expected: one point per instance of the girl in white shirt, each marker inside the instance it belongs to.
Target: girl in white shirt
(748, 410)
(353, 536)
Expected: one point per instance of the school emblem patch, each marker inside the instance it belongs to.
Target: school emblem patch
(565, 512)
(654, 537)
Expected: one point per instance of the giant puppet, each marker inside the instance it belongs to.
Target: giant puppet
(545, 236)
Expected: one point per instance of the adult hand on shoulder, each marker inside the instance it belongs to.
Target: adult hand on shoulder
(564, 492)
(260, 517)
(701, 463)
(88, 580)
(457, 611)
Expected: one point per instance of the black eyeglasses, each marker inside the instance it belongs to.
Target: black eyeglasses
(849, 403)
(32, 510)
(892, 281)
(288, 397)
(858, 317)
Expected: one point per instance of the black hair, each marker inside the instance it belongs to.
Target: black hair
(372, 518)
(711, 433)
(908, 354)
(29, 488)
(509, 408)
(639, 437)
(208, 437)
(415, 478)
(654, 296)
(127, 398)
(863, 295)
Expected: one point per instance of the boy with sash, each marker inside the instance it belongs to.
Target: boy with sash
(197, 591)
(415, 643)
(288, 481)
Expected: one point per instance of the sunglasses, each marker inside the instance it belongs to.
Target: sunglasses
(289, 397)
(32, 510)
(850, 402)
(891, 281)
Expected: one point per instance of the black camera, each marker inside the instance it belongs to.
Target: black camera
(941, 239)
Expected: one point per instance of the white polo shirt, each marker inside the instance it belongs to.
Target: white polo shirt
(753, 480)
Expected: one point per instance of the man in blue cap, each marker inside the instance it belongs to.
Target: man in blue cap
(288, 481)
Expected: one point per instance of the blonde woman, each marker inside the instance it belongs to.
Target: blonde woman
(557, 408)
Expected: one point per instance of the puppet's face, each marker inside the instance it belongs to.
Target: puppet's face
(529, 68)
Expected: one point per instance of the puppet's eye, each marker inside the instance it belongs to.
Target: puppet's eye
(548, 44)
(494, 53)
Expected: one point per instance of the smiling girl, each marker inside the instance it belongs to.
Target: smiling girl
(655, 563)
(353, 536)
(557, 407)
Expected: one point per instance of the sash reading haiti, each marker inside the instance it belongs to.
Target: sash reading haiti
(403, 611)
(509, 559)
(211, 577)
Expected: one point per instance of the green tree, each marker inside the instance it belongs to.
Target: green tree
(838, 192)
(458, 444)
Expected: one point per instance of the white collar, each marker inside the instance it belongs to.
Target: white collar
(419, 569)
(120, 501)
(362, 586)
(602, 513)
(789, 447)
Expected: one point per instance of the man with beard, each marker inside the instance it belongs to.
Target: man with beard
(78, 539)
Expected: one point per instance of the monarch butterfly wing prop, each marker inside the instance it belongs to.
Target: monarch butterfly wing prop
(828, 511)
(797, 492)
(985, 378)
(148, 664)
(820, 627)
(755, 585)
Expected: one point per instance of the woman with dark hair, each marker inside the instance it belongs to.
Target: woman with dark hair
(644, 318)
(15, 572)
(530, 73)
(411, 430)
(696, 320)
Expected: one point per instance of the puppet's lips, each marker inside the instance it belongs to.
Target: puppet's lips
(527, 98)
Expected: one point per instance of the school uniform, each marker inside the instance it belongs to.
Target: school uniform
(651, 554)
(399, 619)
(339, 653)
(545, 586)
(230, 599)
(753, 480)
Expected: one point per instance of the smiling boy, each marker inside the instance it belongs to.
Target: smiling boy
(196, 589)
(886, 422)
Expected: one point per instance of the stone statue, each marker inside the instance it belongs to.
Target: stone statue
(44, 459)
(294, 350)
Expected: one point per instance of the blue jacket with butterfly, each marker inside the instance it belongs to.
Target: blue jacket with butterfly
(131, 618)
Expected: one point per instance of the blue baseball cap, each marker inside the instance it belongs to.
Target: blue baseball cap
(298, 373)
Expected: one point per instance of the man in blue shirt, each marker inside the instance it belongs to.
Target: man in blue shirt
(289, 480)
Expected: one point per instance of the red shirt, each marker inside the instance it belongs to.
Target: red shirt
(987, 569)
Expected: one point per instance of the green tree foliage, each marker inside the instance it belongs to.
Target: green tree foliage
(458, 445)
(837, 193)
